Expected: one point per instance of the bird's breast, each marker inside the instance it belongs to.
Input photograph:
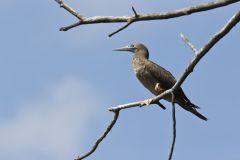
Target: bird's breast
(145, 77)
(138, 65)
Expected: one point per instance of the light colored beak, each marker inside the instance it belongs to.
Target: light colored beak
(126, 48)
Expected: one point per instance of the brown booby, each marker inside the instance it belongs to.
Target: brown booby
(157, 79)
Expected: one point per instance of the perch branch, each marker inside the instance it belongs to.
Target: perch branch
(195, 51)
(141, 17)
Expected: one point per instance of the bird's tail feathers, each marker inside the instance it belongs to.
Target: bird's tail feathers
(193, 109)
(199, 115)
(194, 106)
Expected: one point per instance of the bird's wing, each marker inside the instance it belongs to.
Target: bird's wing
(166, 80)
(164, 77)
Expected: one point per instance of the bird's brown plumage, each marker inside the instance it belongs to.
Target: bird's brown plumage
(157, 79)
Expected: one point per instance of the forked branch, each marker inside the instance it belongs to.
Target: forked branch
(140, 17)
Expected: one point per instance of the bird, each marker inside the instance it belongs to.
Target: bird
(157, 79)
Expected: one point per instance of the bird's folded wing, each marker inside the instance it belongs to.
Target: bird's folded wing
(164, 77)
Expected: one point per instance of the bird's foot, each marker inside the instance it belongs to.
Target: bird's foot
(146, 102)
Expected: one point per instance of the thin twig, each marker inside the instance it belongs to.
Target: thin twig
(174, 127)
(110, 126)
(134, 11)
(120, 29)
(185, 39)
(142, 17)
(70, 26)
(130, 21)
(70, 9)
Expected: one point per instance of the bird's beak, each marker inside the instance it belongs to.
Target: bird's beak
(126, 48)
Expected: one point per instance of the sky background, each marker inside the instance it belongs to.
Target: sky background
(56, 86)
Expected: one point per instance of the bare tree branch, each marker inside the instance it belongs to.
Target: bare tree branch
(130, 21)
(69, 9)
(202, 52)
(110, 126)
(230, 24)
(195, 51)
(122, 28)
(174, 127)
(134, 11)
(140, 17)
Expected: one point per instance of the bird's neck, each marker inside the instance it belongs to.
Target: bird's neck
(141, 55)
(138, 62)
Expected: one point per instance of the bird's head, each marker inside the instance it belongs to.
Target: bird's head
(137, 48)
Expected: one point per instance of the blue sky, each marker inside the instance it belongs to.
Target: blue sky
(56, 86)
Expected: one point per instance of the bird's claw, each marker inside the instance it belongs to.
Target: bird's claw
(146, 102)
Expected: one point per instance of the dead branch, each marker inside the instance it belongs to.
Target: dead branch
(109, 128)
(69, 9)
(185, 39)
(174, 127)
(140, 17)
(202, 52)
